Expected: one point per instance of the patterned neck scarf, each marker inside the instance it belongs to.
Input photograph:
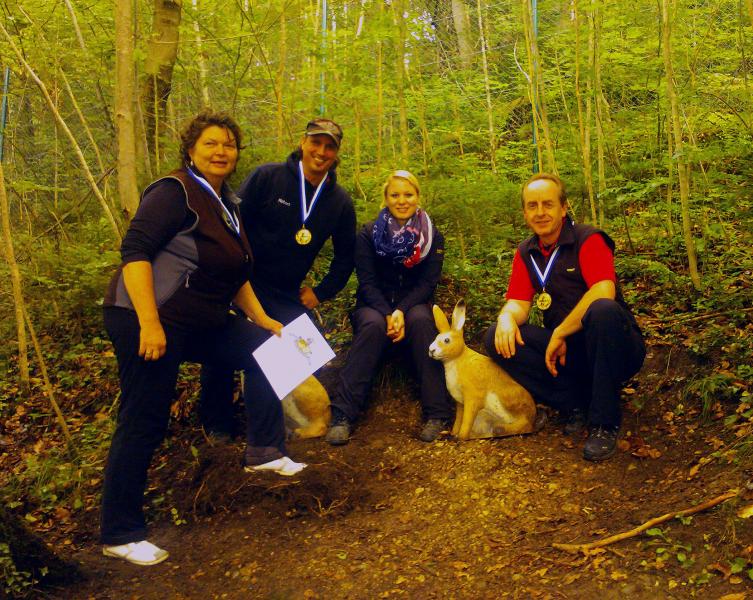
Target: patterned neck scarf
(408, 244)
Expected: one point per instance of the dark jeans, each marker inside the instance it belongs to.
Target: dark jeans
(147, 389)
(369, 346)
(217, 381)
(608, 351)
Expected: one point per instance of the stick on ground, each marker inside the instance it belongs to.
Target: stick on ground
(647, 525)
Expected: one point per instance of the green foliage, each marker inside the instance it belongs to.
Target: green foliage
(13, 583)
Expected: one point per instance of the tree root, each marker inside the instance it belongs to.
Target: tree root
(647, 525)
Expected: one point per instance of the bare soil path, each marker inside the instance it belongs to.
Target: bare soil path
(388, 516)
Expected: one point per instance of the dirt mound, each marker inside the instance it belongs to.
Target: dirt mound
(219, 484)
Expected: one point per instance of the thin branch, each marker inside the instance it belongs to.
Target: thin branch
(647, 525)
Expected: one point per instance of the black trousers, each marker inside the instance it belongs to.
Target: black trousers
(608, 351)
(217, 381)
(147, 389)
(370, 345)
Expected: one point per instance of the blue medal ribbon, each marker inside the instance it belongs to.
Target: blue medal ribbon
(543, 277)
(231, 220)
(306, 210)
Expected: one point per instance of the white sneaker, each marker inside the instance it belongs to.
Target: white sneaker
(282, 466)
(139, 553)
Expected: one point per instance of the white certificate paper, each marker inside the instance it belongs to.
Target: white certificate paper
(287, 360)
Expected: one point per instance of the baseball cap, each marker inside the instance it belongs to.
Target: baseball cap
(326, 127)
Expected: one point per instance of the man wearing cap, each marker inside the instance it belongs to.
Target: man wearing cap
(590, 343)
(289, 211)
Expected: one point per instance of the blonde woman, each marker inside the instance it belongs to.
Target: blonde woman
(398, 260)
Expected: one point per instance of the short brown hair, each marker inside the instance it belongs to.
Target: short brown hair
(548, 177)
(192, 130)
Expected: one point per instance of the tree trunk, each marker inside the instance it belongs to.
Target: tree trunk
(683, 169)
(125, 93)
(201, 58)
(161, 54)
(82, 45)
(535, 92)
(462, 27)
(280, 82)
(399, 9)
(601, 113)
(16, 287)
(487, 90)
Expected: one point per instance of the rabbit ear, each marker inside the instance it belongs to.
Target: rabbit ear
(440, 320)
(458, 315)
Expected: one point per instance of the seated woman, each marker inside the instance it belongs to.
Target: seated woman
(398, 260)
(185, 258)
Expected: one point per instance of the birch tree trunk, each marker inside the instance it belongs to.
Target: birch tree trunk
(16, 287)
(487, 90)
(162, 52)
(201, 58)
(683, 169)
(399, 9)
(462, 26)
(584, 122)
(125, 94)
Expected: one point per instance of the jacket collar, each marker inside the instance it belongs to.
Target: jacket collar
(292, 165)
(567, 237)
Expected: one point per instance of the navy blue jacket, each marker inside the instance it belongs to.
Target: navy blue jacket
(271, 214)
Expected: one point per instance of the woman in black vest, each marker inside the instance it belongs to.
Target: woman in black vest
(185, 258)
(398, 259)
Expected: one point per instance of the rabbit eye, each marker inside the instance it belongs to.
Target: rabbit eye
(447, 340)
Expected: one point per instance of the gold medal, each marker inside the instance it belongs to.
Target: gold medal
(544, 301)
(303, 236)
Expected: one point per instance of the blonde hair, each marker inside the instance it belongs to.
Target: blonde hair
(400, 174)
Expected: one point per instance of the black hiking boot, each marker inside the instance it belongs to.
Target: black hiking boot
(601, 443)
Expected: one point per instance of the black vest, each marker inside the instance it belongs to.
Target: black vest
(198, 272)
(565, 283)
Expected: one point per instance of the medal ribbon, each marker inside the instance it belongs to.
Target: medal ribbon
(306, 212)
(547, 270)
(231, 218)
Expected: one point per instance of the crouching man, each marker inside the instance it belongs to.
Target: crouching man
(590, 343)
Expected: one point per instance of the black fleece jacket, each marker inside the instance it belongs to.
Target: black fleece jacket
(385, 285)
(271, 213)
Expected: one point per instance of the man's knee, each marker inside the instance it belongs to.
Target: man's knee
(603, 310)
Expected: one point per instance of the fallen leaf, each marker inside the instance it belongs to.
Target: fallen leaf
(723, 570)
(735, 596)
(746, 512)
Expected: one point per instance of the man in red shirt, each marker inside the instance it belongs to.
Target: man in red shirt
(590, 343)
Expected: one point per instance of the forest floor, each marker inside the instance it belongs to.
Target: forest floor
(388, 516)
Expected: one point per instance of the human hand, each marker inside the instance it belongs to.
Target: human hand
(152, 341)
(271, 325)
(308, 298)
(396, 326)
(556, 352)
(507, 335)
